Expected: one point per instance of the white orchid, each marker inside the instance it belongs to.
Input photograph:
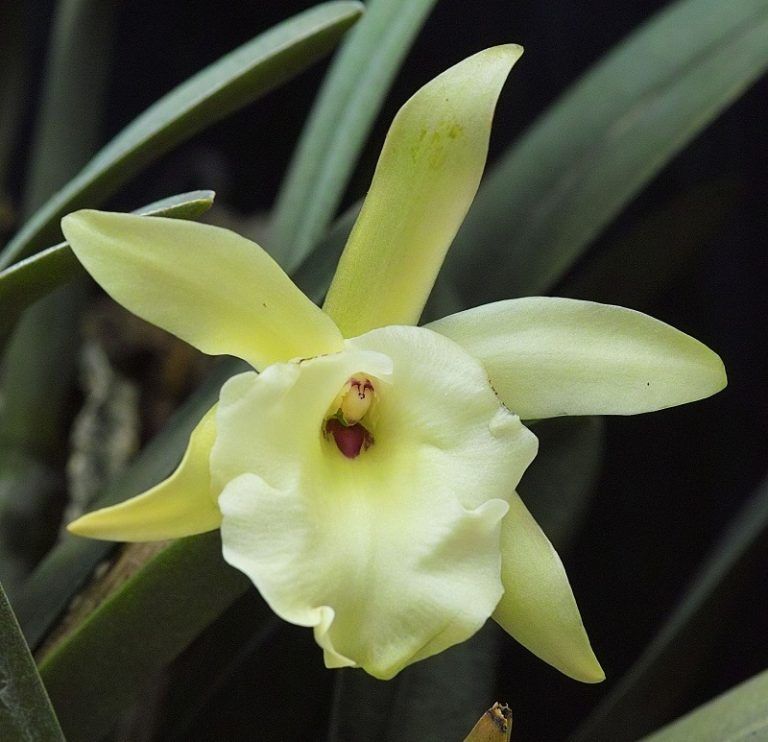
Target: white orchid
(364, 478)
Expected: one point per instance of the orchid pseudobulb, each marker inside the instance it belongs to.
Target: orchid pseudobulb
(363, 474)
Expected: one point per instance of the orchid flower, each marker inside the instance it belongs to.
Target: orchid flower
(363, 475)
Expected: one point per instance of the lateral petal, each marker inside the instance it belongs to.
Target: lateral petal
(538, 608)
(209, 286)
(182, 505)
(548, 357)
(425, 180)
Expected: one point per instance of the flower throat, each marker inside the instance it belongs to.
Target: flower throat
(349, 408)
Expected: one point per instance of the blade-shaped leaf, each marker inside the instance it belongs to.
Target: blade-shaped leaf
(578, 165)
(314, 274)
(34, 277)
(341, 118)
(102, 666)
(26, 486)
(37, 373)
(69, 117)
(736, 716)
(233, 81)
(25, 711)
(647, 695)
(41, 361)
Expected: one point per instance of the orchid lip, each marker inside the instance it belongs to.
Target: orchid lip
(351, 440)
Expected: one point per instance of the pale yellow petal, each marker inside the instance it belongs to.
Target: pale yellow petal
(182, 505)
(547, 357)
(218, 291)
(424, 183)
(538, 607)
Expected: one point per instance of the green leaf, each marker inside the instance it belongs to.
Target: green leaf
(554, 191)
(41, 361)
(41, 347)
(340, 121)
(27, 488)
(649, 692)
(25, 711)
(37, 373)
(102, 666)
(69, 565)
(315, 273)
(34, 277)
(236, 79)
(69, 117)
(736, 716)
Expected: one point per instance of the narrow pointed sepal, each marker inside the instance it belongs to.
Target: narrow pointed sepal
(182, 505)
(211, 287)
(425, 180)
(538, 608)
(547, 356)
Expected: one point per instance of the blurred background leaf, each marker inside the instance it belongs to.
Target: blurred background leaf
(579, 164)
(233, 651)
(650, 692)
(25, 711)
(70, 115)
(558, 485)
(33, 278)
(432, 700)
(39, 365)
(341, 119)
(234, 81)
(735, 716)
(314, 275)
(103, 664)
(657, 250)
